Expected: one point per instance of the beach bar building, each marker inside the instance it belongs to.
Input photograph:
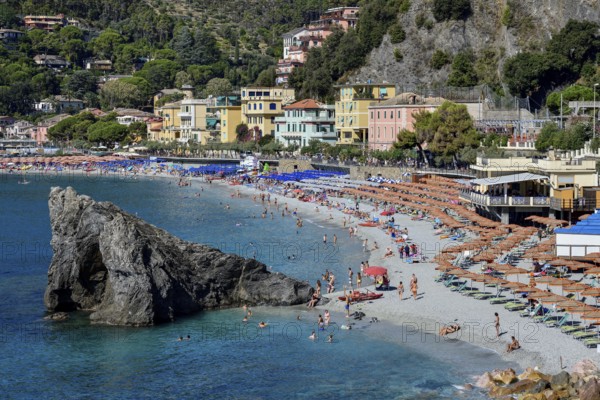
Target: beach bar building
(511, 189)
(580, 239)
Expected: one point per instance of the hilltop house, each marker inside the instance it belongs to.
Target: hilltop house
(48, 22)
(54, 62)
(297, 42)
(59, 104)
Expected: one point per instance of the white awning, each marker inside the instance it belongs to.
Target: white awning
(499, 180)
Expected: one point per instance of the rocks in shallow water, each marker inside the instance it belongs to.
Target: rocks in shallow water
(533, 375)
(129, 272)
(484, 381)
(58, 316)
(505, 376)
(582, 384)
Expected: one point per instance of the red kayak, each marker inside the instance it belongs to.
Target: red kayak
(357, 296)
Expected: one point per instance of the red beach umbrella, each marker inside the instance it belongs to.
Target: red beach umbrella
(375, 270)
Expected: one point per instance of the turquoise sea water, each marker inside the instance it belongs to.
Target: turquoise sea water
(224, 358)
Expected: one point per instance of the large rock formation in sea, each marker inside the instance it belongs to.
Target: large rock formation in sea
(129, 272)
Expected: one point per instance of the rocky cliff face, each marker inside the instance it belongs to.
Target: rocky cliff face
(488, 32)
(128, 272)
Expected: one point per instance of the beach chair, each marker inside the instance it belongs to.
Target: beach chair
(515, 306)
(544, 317)
(582, 335)
(572, 328)
(592, 342)
(530, 312)
(482, 295)
(557, 323)
(499, 300)
(450, 281)
(459, 287)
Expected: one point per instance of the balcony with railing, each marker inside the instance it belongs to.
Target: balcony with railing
(580, 204)
(505, 201)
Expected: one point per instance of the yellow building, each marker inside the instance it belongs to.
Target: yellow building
(193, 120)
(171, 123)
(260, 106)
(231, 117)
(351, 109)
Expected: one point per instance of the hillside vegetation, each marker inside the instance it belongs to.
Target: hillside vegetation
(525, 47)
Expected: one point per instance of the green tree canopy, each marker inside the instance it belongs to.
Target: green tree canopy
(218, 87)
(463, 72)
(119, 93)
(107, 133)
(572, 93)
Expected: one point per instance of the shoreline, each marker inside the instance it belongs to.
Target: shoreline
(437, 305)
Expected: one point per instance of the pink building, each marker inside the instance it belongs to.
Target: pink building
(389, 117)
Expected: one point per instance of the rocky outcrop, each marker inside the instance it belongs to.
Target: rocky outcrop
(535, 21)
(582, 383)
(129, 272)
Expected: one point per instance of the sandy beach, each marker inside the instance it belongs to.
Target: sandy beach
(436, 306)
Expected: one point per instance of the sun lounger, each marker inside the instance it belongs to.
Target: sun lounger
(515, 306)
(482, 295)
(557, 323)
(572, 328)
(544, 317)
(593, 342)
(582, 335)
(530, 312)
(499, 300)
(459, 287)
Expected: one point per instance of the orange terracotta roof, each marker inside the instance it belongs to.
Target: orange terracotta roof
(303, 104)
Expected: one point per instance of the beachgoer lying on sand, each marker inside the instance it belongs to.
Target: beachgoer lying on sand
(388, 253)
(448, 329)
(514, 345)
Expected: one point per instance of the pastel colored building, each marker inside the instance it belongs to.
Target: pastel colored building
(48, 22)
(304, 121)
(193, 120)
(352, 109)
(342, 17)
(171, 122)
(231, 117)
(39, 133)
(297, 42)
(260, 106)
(389, 117)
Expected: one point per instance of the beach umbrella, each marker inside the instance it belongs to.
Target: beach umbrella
(375, 270)
(591, 291)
